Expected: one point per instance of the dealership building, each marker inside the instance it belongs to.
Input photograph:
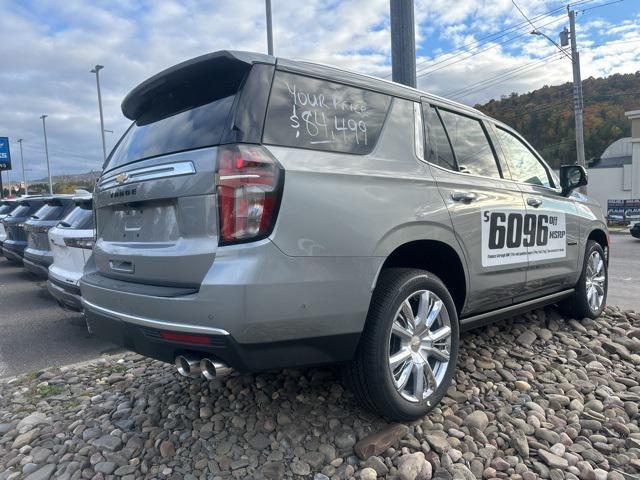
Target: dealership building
(616, 175)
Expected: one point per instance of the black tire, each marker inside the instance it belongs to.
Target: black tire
(368, 376)
(577, 306)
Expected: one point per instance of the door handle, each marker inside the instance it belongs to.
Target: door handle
(534, 202)
(463, 196)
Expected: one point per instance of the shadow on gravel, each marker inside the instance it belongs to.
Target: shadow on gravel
(537, 396)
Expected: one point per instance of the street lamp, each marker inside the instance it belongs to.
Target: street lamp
(46, 152)
(24, 178)
(96, 70)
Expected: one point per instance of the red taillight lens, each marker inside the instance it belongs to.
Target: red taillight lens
(249, 189)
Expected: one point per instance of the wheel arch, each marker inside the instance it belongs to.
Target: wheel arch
(599, 236)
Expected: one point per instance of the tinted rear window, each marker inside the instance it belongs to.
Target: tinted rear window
(80, 218)
(198, 127)
(306, 112)
(49, 212)
(5, 208)
(20, 211)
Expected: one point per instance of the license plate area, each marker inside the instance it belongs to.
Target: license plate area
(143, 223)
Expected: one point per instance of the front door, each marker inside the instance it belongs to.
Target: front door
(551, 219)
(479, 199)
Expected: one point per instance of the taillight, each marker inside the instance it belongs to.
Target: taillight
(249, 189)
(80, 242)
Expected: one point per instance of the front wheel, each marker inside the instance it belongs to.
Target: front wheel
(590, 296)
(408, 350)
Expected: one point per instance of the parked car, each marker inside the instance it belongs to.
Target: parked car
(264, 213)
(71, 242)
(16, 241)
(37, 255)
(6, 206)
(635, 230)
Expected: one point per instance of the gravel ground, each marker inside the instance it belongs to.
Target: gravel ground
(535, 396)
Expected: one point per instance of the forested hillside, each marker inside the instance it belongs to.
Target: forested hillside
(545, 116)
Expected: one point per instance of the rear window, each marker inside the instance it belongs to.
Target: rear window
(197, 127)
(306, 112)
(20, 211)
(49, 211)
(5, 208)
(80, 218)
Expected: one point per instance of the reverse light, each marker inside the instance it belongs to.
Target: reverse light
(80, 242)
(249, 189)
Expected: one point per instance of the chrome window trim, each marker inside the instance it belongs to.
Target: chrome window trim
(418, 128)
(155, 172)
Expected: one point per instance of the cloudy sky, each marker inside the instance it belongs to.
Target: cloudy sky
(469, 50)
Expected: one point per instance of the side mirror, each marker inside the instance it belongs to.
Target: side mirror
(572, 177)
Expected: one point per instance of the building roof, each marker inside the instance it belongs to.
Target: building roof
(612, 162)
(620, 148)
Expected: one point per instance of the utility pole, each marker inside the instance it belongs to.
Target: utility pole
(269, 28)
(403, 42)
(96, 70)
(577, 91)
(46, 152)
(24, 178)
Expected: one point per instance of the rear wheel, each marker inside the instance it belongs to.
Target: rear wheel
(590, 296)
(407, 354)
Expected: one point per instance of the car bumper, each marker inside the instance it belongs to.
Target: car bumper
(67, 295)
(38, 264)
(305, 311)
(635, 232)
(13, 251)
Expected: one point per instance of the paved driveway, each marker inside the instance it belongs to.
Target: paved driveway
(624, 272)
(34, 331)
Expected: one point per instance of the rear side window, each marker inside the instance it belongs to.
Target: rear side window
(471, 145)
(438, 148)
(306, 112)
(80, 218)
(49, 211)
(197, 127)
(523, 164)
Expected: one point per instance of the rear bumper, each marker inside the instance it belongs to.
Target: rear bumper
(260, 309)
(38, 264)
(13, 250)
(67, 295)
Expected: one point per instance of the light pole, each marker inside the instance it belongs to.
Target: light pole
(46, 152)
(24, 178)
(96, 70)
(269, 29)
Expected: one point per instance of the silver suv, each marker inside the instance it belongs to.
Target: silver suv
(264, 213)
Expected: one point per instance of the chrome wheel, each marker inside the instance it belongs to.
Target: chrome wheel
(595, 281)
(419, 345)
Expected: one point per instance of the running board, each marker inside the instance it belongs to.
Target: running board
(483, 319)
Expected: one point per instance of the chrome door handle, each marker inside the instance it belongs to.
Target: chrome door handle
(534, 202)
(463, 196)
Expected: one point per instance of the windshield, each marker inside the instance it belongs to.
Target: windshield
(195, 128)
(80, 218)
(49, 212)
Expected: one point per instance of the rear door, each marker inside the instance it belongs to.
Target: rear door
(479, 199)
(156, 206)
(551, 223)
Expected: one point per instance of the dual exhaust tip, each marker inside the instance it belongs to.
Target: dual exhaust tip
(189, 366)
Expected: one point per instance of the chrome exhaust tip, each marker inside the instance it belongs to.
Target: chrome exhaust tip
(211, 369)
(187, 366)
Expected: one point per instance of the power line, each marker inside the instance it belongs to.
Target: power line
(538, 32)
(598, 6)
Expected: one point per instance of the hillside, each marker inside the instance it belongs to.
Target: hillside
(545, 116)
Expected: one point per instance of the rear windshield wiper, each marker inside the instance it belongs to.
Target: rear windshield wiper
(64, 224)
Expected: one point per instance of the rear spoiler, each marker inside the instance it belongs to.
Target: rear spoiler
(189, 84)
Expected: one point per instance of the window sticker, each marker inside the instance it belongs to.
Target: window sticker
(518, 236)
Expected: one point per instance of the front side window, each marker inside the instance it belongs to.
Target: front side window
(524, 165)
(471, 145)
(438, 147)
(307, 112)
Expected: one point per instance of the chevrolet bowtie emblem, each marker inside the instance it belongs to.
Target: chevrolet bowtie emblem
(123, 177)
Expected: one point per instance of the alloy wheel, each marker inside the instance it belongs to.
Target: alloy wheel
(419, 345)
(595, 281)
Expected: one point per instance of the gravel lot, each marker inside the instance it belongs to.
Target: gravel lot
(536, 396)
